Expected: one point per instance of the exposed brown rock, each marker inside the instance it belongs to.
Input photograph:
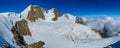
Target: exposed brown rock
(79, 21)
(20, 29)
(35, 13)
(35, 45)
(108, 47)
(57, 14)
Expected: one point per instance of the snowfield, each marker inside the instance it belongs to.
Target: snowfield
(60, 35)
(6, 22)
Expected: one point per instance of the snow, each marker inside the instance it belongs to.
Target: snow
(26, 11)
(7, 20)
(5, 31)
(3, 43)
(67, 18)
(49, 15)
(66, 35)
(57, 34)
(63, 33)
(99, 43)
(48, 33)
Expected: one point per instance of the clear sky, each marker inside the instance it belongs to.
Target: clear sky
(74, 7)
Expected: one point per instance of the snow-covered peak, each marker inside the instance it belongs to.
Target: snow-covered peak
(25, 12)
(68, 14)
(27, 9)
(52, 15)
(34, 5)
(7, 13)
(49, 15)
(34, 12)
(70, 17)
(52, 10)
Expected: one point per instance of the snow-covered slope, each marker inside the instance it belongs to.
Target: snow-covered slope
(25, 12)
(6, 22)
(58, 34)
(49, 15)
(62, 32)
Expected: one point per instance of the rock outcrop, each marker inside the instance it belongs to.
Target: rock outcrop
(20, 29)
(57, 14)
(35, 13)
(35, 45)
(79, 21)
(108, 47)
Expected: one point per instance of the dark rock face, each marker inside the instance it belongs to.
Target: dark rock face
(106, 33)
(100, 33)
(108, 47)
(35, 13)
(57, 14)
(35, 45)
(79, 21)
(20, 29)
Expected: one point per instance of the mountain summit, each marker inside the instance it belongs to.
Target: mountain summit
(33, 12)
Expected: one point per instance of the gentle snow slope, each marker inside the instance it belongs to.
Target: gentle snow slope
(59, 34)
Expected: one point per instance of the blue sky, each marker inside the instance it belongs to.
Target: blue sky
(74, 7)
